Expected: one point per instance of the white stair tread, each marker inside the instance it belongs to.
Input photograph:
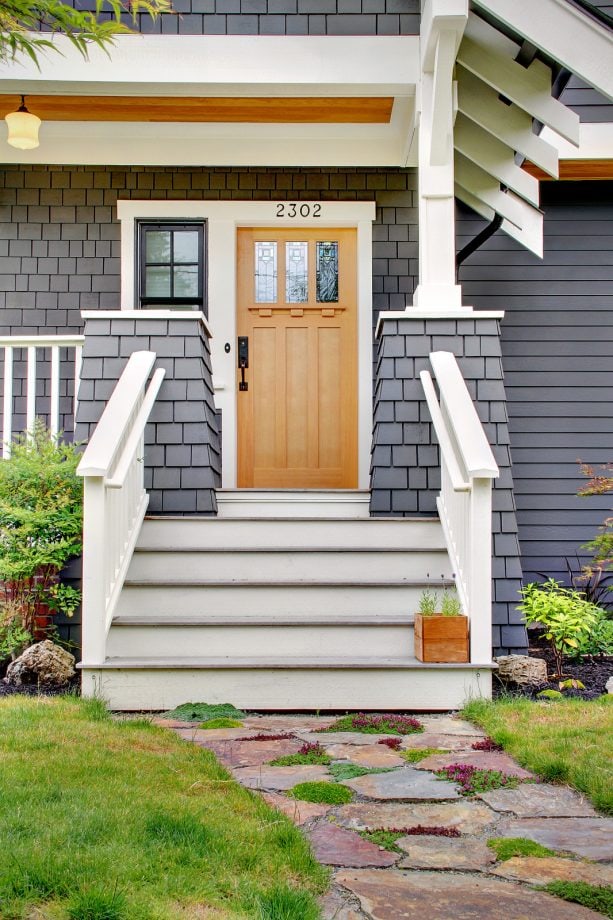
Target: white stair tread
(290, 549)
(275, 663)
(284, 583)
(265, 619)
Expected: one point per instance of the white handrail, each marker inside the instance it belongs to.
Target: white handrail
(115, 499)
(465, 500)
(33, 345)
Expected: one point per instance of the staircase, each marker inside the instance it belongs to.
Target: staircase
(286, 600)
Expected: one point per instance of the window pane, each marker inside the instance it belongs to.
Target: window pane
(157, 281)
(157, 246)
(265, 272)
(327, 272)
(186, 281)
(186, 245)
(296, 277)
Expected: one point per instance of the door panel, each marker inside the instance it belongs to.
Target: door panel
(297, 304)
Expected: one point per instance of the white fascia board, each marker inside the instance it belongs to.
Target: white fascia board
(595, 142)
(224, 65)
(219, 144)
(562, 31)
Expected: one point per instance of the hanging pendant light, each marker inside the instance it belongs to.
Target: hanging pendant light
(23, 128)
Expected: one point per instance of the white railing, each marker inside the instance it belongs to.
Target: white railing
(36, 347)
(115, 499)
(465, 501)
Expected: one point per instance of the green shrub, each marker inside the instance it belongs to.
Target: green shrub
(600, 639)
(41, 519)
(322, 792)
(567, 617)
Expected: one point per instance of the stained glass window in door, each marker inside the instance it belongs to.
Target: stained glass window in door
(296, 272)
(327, 272)
(265, 271)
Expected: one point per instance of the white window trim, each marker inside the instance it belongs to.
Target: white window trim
(223, 218)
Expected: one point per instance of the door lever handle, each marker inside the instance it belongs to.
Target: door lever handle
(243, 361)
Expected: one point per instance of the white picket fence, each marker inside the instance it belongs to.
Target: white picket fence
(114, 499)
(38, 349)
(465, 501)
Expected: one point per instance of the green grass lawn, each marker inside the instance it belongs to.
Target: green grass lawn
(107, 820)
(570, 741)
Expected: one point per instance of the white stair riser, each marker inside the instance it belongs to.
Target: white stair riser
(420, 689)
(287, 566)
(245, 641)
(203, 533)
(266, 599)
(266, 508)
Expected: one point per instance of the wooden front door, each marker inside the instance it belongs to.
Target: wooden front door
(297, 307)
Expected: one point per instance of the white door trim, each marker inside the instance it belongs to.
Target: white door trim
(223, 217)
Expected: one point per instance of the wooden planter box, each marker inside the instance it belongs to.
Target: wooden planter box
(441, 639)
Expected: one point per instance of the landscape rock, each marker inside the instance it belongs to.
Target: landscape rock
(450, 725)
(466, 817)
(540, 871)
(425, 852)
(481, 760)
(609, 685)
(444, 742)
(522, 670)
(365, 755)
(337, 905)
(280, 778)
(296, 811)
(536, 800)
(335, 846)
(250, 753)
(588, 837)
(439, 896)
(406, 784)
(44, 663)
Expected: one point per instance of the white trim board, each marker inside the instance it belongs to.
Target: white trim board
(223, 217)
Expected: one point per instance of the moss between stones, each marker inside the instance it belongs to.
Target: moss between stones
(596, 898)
(221, 723)
(322, 792)
(507, 847)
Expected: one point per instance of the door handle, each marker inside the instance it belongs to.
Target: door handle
(243, 361)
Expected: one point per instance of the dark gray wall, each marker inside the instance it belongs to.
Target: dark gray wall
(557, 347)
(405, 465)
(281, 17)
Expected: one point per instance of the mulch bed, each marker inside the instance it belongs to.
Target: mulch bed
(74, 687)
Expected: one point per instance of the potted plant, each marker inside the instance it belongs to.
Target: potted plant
(441, 629)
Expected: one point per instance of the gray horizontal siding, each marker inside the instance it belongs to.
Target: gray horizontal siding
(557, 346)
(279, 17)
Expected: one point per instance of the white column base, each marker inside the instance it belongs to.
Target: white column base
(438, 297)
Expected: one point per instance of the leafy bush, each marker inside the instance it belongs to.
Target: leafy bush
(41, 518)
(568, 619)
(600, 639)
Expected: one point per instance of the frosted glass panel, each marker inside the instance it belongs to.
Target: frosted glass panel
(157, 281)
(327, 272)
(157, 246)
(186, 245)
(265, 272)
(186, 281)
(296, 272)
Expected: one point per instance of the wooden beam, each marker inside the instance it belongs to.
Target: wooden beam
(530, 235)
(333, 110)
(483, 185)
(575, 170)
(528, 87)
(508, 123)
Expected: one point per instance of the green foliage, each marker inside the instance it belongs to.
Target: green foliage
(600, 639)
(82, 28)
(507, 847)
(13, 637)
(551, 695)
(428, 603)
(564, 613)
(344, 771)
(450, 605)
(308, 754)
(600, 483)
(386, 724)
(414, 755)
(383, 838)
(595, 898)
(204, 712)
(571, 684)
(41, 519)
(284, 903)
(322, 792)
(97, 905)
(222, 722)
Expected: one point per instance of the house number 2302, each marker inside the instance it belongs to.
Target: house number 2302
(293, 209)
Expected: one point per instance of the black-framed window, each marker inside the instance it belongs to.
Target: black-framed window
(171, 264)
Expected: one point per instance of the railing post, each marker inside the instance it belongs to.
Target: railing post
(480, 579)
(94, 567)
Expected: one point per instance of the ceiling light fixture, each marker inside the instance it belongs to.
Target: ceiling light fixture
(23, 128)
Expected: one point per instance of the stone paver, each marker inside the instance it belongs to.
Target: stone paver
(405, 784)
(439, 740)
(276, 778)
(273, 724)
(365, 755)
(335, 846)
(201, 735)
(449, 725)
(296, 811)
(466, 817)
(482, 760)
(588, 837)
(537, 871)
(534, 800)
(395, 895)
(251, 753)
(338, 905)
(445, 853)
(326, 738)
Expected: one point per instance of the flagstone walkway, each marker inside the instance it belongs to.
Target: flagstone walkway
(437, 876)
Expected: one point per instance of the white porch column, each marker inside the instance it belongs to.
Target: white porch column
(443, 24)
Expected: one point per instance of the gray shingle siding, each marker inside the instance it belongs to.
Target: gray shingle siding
(557, 347)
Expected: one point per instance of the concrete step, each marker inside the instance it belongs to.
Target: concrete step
(293, 503)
